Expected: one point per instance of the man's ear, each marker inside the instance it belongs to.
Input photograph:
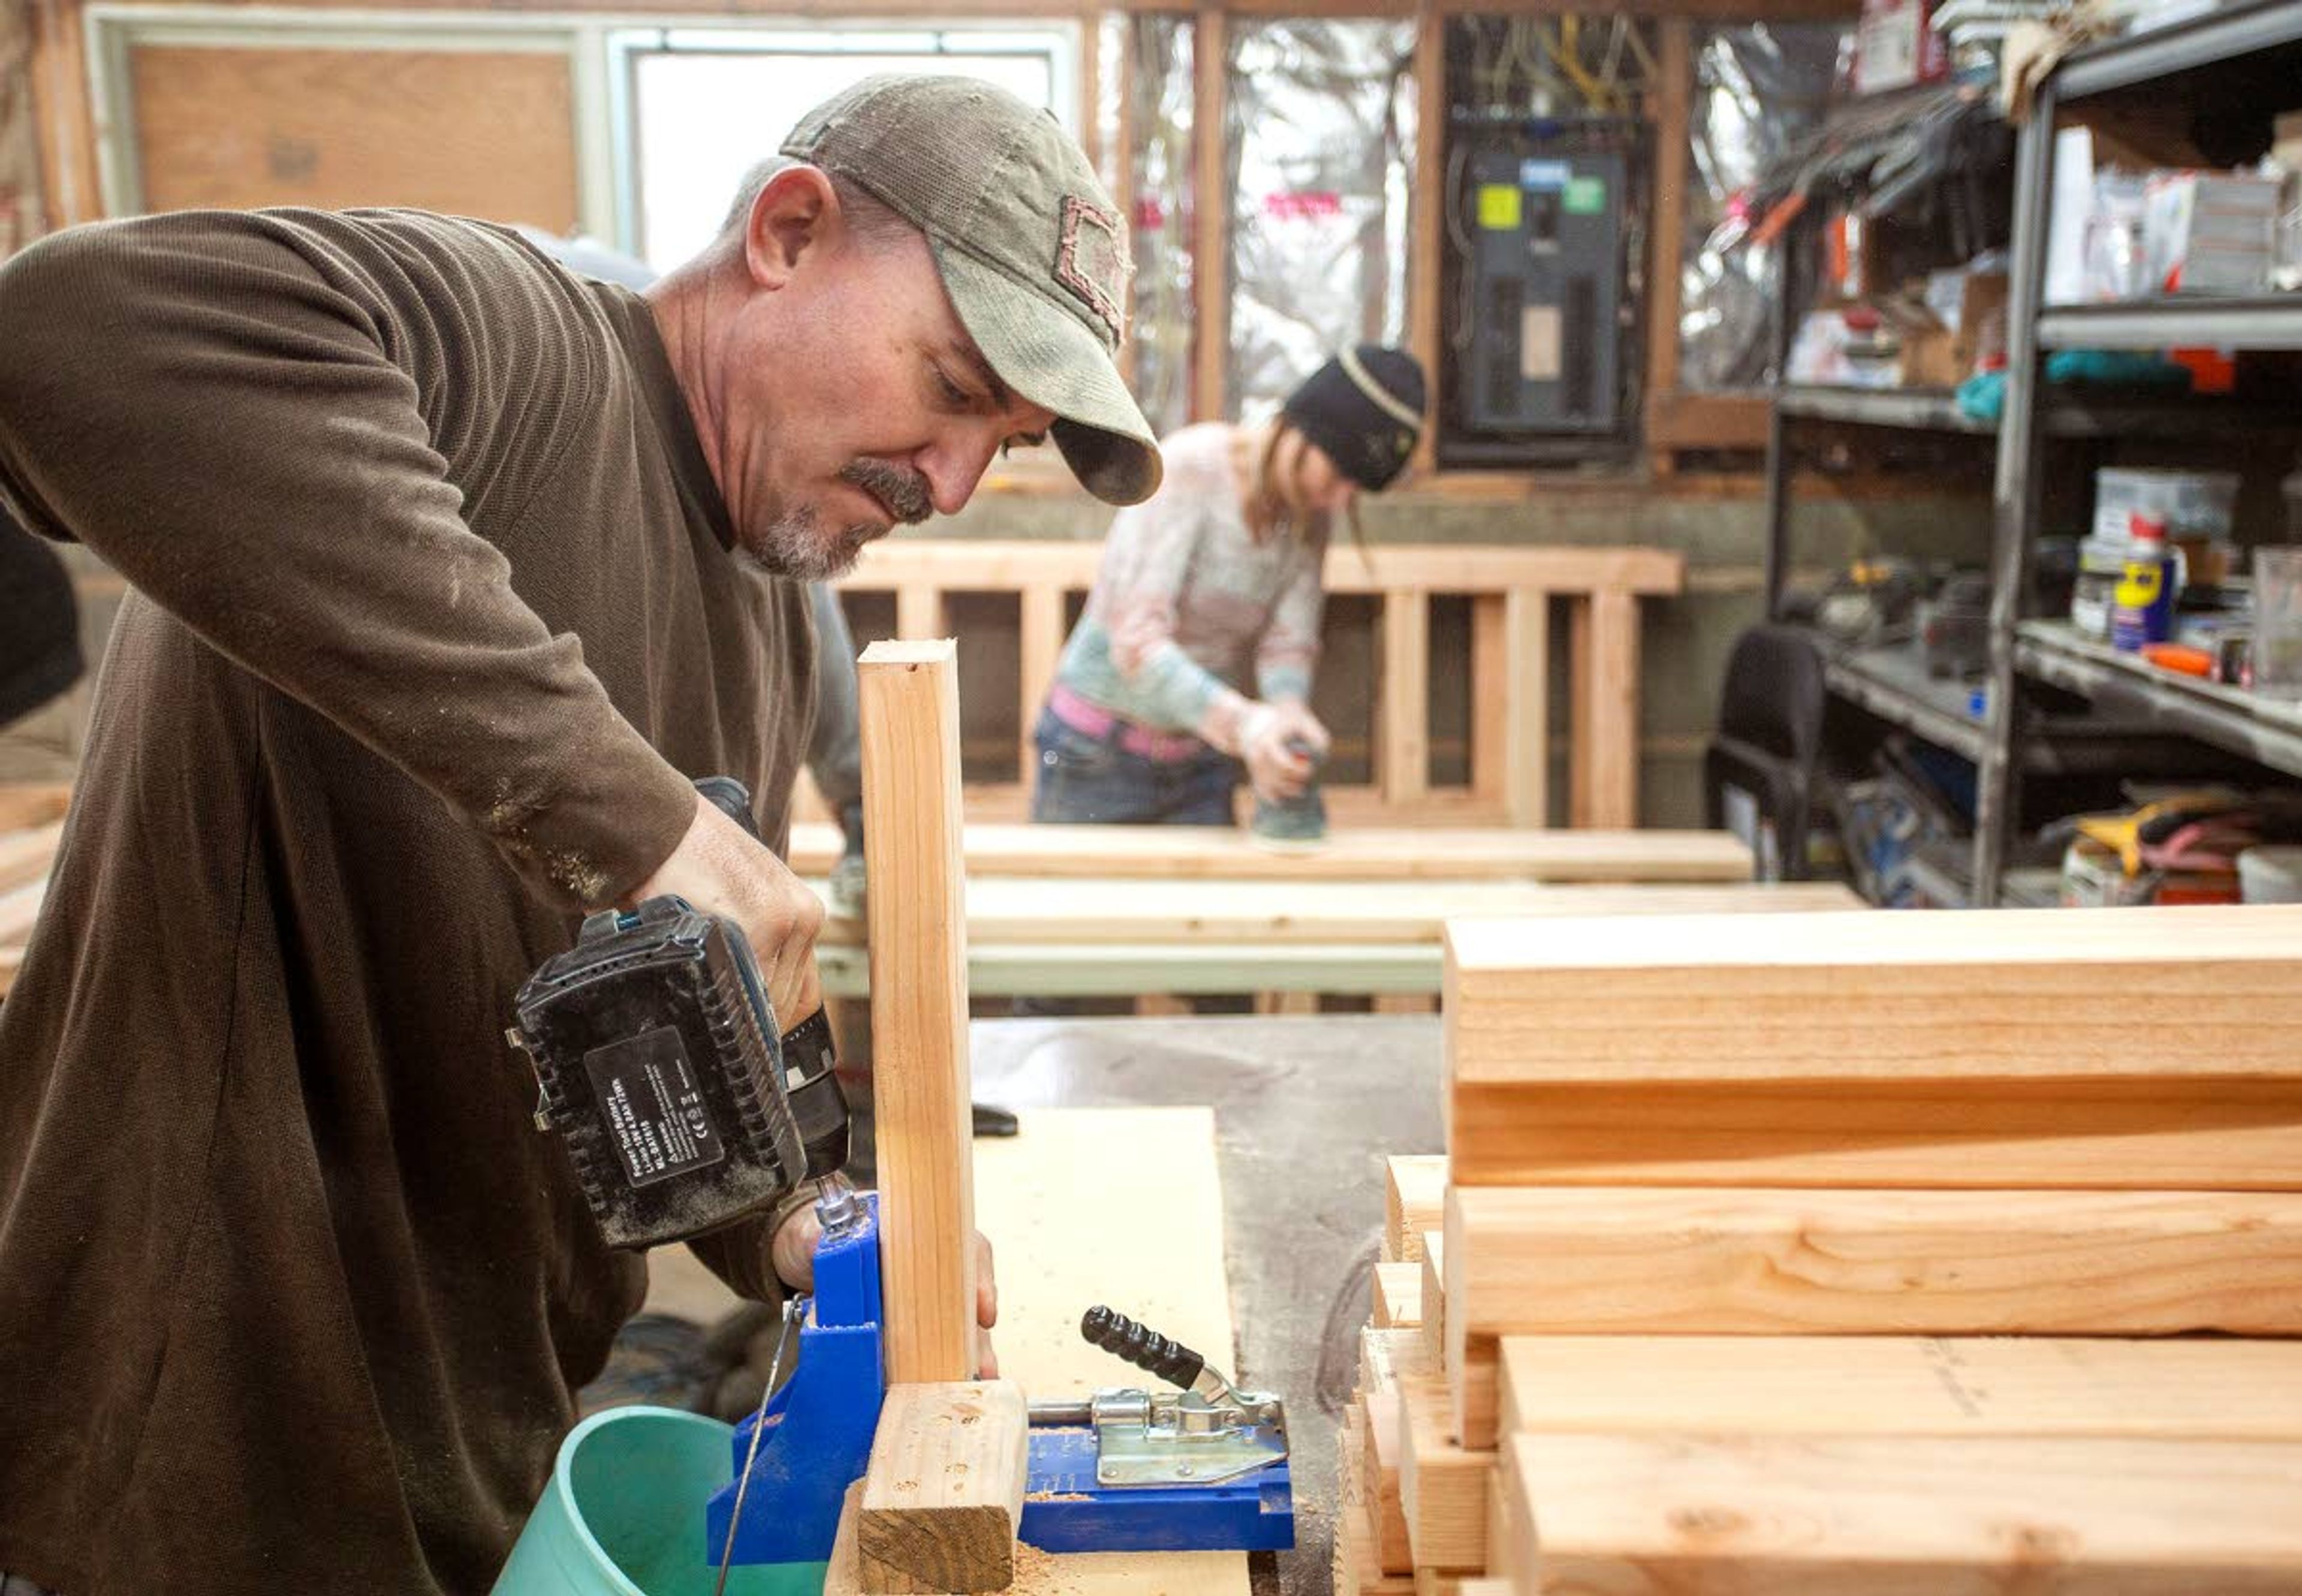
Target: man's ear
(792, 215)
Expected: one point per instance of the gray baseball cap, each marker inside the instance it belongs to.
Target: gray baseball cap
(1032, 251)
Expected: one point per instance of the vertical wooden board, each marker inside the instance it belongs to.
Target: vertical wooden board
(1404, 727)
(909, 712)
(1607, 691)
(945, 1489)
(476, 133)
(1415, 1200)
(1491, 697)
(919, 612)
(1405, 1003)
(1526, 691)
(1042, 624)
(1651, 1515)
(1211, 190)
(1442, 1484)
(1669, 108)
(1425, 219)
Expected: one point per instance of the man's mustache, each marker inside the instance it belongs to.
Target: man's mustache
(903, 492)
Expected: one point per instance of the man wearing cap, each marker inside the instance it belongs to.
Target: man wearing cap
(452, 570)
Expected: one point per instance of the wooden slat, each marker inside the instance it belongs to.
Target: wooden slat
(2062, 1047)
(1415, 1200)
(1397, 1296)
(1442, 1486)
(1003, 910)
(1405, 724)
(1893, 1517)
(1606, 690)
(1524, 1260)
(996, 565)
(1361, 854)
(944, 1492)
(1387, 1356)
(1435, 1295)
(1357, 1559)
(1042, 642)
(1526, 698)
(1379, 1482)
(1668, 101)
(1425, 213)
(1405, 1003)
(1492, 692)
(2178, 1388)
(910, 715)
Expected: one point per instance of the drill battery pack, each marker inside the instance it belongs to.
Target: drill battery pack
(656, 1051)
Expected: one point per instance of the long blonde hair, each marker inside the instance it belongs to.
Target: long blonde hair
(1273, 505)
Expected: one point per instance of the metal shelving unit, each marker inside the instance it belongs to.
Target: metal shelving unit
(2255, 49)
(2267, 730)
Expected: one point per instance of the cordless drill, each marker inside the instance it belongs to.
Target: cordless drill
(660, 1066)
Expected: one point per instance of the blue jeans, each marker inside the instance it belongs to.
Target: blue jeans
(1083, 780)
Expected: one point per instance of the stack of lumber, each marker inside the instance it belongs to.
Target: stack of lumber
(31, 826)
(1848, 1253)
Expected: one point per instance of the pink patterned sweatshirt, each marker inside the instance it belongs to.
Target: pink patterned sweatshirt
(1187, 601)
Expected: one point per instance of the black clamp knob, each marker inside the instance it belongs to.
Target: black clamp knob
(1146, 1348)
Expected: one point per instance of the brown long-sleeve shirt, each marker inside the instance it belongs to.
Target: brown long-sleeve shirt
(436, 615)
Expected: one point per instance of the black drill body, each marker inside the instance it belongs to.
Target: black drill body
(660, 1065)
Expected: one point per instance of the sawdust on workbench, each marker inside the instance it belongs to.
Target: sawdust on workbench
(1043, 1573)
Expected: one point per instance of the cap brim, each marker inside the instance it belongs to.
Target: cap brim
(1050, 359)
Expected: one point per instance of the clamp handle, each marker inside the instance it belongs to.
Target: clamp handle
(1146, 1348)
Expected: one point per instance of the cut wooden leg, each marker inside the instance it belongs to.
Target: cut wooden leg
(910, 710)
(1415, 1200)
(944, 1490)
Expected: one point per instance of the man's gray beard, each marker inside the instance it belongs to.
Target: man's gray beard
(794, 546)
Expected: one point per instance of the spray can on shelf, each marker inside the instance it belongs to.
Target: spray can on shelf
(2142, 610)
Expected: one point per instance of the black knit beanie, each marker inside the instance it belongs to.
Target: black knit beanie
(1365, 408)
(39, 627)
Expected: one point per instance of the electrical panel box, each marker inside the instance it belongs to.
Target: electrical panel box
(1542, 224)
(1547, 270)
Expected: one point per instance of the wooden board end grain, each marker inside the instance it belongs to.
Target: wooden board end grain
(944, 1492)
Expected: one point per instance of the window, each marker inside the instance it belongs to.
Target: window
(701, 106)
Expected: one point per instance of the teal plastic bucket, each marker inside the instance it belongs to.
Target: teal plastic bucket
(624, 1514)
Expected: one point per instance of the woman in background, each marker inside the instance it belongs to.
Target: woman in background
(1213, 584)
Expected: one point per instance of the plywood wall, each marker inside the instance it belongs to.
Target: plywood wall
(477, 133)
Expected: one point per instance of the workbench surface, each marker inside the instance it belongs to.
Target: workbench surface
(1306, 1110)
